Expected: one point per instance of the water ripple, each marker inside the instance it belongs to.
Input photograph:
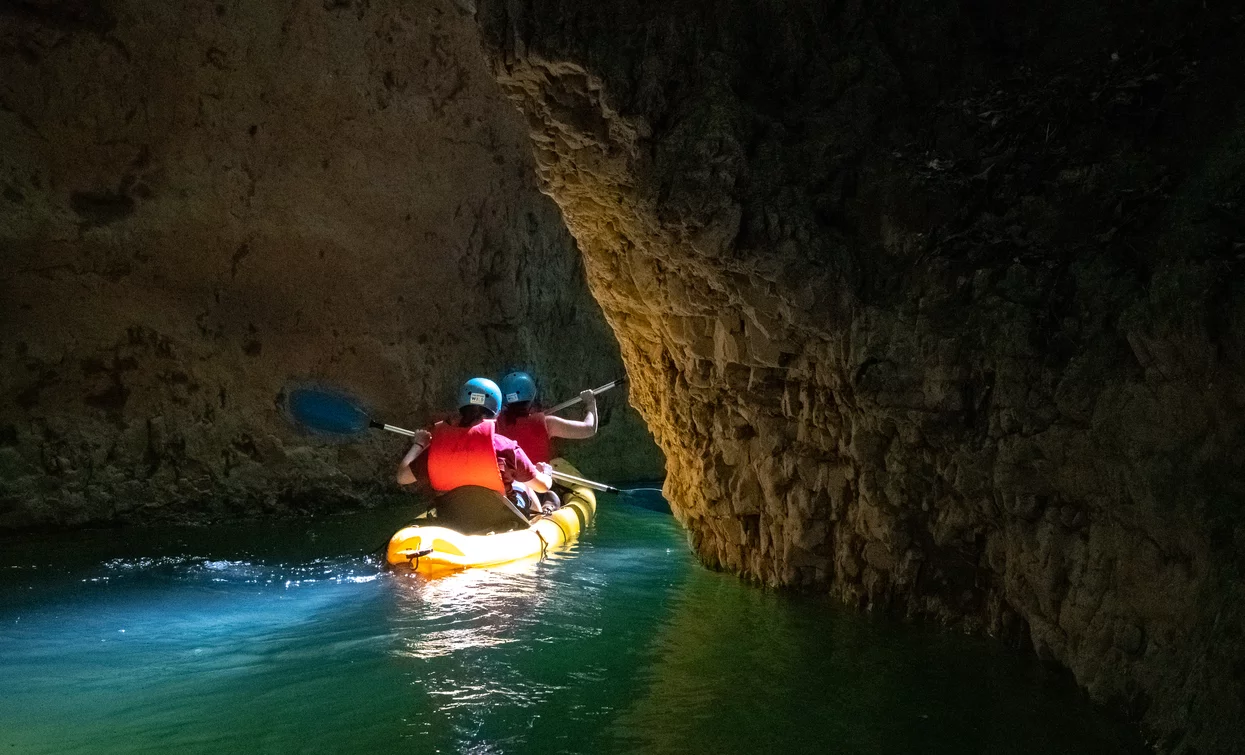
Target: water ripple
(618, 644)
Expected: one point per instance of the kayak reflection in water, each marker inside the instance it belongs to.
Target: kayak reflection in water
(469, 451)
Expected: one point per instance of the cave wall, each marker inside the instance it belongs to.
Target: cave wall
(200, 205)
(937, 306)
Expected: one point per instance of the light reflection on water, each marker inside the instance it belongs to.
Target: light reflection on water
(269, 639)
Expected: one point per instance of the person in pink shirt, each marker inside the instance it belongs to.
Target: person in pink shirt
(469, 451)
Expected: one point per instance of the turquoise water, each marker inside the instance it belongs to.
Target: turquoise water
(278, 638)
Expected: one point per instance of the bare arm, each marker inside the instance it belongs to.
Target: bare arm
(542, 481)
(565, 428)
(535, 476)
(405, 475)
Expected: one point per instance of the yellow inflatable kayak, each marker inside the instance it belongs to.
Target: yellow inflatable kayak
(431, 547)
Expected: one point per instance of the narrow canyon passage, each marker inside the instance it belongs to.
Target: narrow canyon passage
(935, 309)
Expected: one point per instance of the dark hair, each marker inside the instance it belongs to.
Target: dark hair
(471, 414)
(517, 409)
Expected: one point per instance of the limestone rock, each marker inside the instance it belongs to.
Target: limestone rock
(199, 205)
(982, 263)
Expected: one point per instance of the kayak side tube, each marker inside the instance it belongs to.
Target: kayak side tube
(433, 550)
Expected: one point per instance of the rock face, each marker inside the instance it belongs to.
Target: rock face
(200, 205)
(938, 306)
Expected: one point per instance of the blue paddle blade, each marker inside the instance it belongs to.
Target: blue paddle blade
(325, 412)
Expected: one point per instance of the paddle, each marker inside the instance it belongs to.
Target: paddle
(334, 413)
(595, 391)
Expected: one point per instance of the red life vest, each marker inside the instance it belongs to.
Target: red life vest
(531, 435)
(460, 456)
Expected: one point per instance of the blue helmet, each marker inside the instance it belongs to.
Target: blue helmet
(480, 392)
(517, 387)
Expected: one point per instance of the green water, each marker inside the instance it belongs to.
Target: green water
(279, 639)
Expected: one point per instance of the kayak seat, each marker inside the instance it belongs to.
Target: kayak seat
(473, 510)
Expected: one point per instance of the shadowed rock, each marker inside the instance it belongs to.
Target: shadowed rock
(203, 205)
(927, 305)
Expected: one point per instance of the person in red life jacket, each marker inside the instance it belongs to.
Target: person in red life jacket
(469, 451)
(533, 430)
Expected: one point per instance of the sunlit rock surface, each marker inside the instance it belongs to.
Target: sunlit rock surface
(938, 306)
(199, 203)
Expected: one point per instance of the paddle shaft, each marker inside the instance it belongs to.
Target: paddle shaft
(573, 480)
(392, 429)
(559, 476)
(568, 403)
(595, 391)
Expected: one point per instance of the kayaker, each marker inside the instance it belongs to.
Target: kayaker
(533, 430)
(469, 451)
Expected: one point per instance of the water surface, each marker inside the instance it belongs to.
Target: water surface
(283, 638)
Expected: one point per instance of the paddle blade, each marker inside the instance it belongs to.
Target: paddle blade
(326, 412)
